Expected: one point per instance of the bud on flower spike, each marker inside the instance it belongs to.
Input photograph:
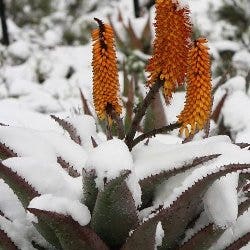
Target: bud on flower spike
(105, 72)
(198, 97)
(171, 45)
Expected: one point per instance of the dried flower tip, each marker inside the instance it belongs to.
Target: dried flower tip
(105, 72)
(198, 102)
(171, 45)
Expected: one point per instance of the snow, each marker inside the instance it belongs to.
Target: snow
(86, 127)
(62, 205)
(109, 159)
(222, 196)
(58, 183)
(159, 235)
(234, 119)
(48, 145)
(17, 233)
(10, 206)
(237, 83)
(20, 49)
(239, 229)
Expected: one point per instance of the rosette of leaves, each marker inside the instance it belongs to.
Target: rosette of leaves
(115, 221)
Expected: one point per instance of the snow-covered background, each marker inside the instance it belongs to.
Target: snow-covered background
(49, 60)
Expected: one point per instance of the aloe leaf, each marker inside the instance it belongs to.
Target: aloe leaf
(183, 210)
(145, 239)
(69, 128)
(24, 191)
(71, 234)
(241, 242)
(150, 184)
(90, 190)
(115, 212)
(5, 242)
(6, 152)
(206, 236)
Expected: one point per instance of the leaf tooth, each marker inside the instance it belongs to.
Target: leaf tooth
(7, 151)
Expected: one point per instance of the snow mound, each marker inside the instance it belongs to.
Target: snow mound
(108, 160)
(62, 205)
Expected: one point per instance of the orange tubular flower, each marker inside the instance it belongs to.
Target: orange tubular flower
(199, 96)
(171, 45)
(105, 72)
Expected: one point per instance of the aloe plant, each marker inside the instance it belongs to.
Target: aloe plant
(118, 219)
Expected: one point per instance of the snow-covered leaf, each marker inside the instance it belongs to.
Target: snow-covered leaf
(6, 242)
(69, 232)
(24, 191)
(150, 184)
(176, 216)
(69, 128)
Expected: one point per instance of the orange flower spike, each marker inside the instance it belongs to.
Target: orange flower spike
(171, 45)
(105, 72)
(198, 102)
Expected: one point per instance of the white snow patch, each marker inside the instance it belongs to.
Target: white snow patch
(222, 196)
(9, 203)
(86, 127)
(20, 49)
(17, 232)
(239, 229)
(135, 188)
(234, 84)
(45, 176)
(48, 202)
(159, 235)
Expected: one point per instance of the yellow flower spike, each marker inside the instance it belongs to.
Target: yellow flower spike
(198, 102)
(105, 72)
(171, 45)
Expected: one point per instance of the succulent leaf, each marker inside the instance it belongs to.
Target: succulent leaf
(241, 242)
(90, 190)
(70, 233)
(69, 128)
(67, 167)
(145, 239)
(6, 242)
(115, 212)
(45, 229)
(205, 237)
(24, 191)
(183, 210)
(149, 184)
